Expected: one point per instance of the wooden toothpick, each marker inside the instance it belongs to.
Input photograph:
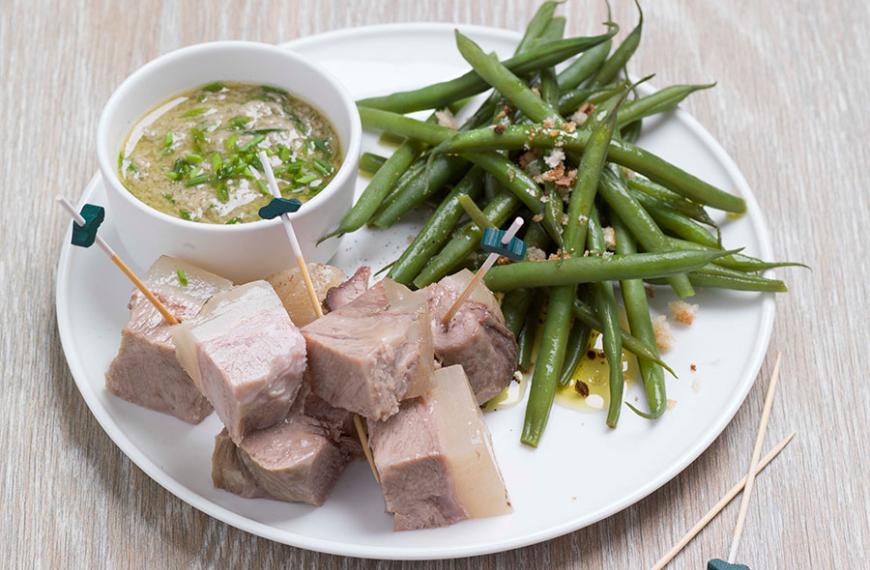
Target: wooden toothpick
(478, 277)
(312, 294)
(74, 214)
(291, 235)
(753, 463)
(719, 506)
(364, 441)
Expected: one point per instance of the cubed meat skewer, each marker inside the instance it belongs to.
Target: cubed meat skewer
(245, 355)
(435, 458)
(145, 370)
(476, 337)
(296, 460)
(369, 355)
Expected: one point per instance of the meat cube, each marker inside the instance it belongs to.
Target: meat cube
(476, 336)
(145, 370)
(435, 458)
(245, 355)
(294, 460)
(346, 292)
(372, 353)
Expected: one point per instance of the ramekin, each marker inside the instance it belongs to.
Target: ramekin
(241, 252)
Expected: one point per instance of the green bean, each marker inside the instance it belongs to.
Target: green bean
(695, 211)
(639, 222)
(430, 179)
(437, 230)
(575, 270)
(528, 334)
(554, 212)
(745, 282)
(557, 324)
(578, 342)
(586, 314)
(428, 133)
(659, 102)
(584, 66)
(475, 213)
(490, 187)
(605, 305)
(570, 101)
(514, 307)
(379, 186)
(721, 278)
(548, 365)
(440, 94)
(736, 262)
(631, 132)
(537, 26)
(616, 62)
(515, 304)
(370, 163)
(625, 154)
(502, 80)
(465, 241)
(678, 224)
(548, 83)
(399, 187)
(637, 311)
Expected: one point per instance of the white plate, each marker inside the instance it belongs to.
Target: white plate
(582, 471)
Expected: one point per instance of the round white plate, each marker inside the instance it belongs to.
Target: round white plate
(582, 471)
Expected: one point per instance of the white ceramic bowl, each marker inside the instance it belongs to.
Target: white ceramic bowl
(240, 252)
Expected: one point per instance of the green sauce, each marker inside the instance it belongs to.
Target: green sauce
(195, 156)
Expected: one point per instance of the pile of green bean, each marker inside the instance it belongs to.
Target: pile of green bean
(586, 116)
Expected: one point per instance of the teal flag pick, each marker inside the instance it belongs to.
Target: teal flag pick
(278, 207)
(493, 242)
(85, 235)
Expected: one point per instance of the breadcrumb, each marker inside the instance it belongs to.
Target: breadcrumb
(672, 404)
(683, 312)
(609, 238)
(662, 332)
(527, 158)
(579, 117)
(446, 118)
(535, 254)
(569, 127)
(555, 158)
(558, 176)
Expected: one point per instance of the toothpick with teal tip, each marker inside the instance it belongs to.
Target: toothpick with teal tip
(498, 243)
(84, 234)
(282, 207)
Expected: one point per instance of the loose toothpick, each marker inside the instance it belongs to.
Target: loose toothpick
(291, 235)
(77, 217)
(753, 463)
(719, 506)
(478, 277)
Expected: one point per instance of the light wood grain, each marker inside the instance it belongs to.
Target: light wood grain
(791, 108)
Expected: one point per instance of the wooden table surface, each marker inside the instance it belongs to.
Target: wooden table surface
(791, 108)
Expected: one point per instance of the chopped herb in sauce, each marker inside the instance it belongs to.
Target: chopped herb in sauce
(182, 277)
(200, 156)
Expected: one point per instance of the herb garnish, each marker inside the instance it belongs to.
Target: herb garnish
(182, 277)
